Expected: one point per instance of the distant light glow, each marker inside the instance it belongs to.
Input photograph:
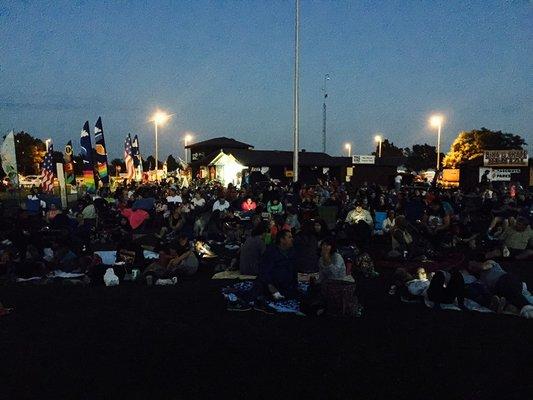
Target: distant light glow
(378, 138)
(436, 120)
(160, 117)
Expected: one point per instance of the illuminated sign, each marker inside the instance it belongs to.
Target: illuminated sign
(505, 158)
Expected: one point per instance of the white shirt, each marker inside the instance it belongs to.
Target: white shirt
(398, 179)
(198, 202)
(388, 224)
(354, 217)
(221, 207)
(174, 199)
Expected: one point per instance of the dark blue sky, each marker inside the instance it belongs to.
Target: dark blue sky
(225, 68)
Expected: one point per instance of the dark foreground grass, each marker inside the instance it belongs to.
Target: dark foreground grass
(131, 342)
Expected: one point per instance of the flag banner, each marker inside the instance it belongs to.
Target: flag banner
(68, 164)
(47, 171)
(9, 158)
(87, 156)
(137, 158)
(101, 152)
(128, 159)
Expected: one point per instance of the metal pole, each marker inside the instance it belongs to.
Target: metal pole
(156, 152)
(438, 146)
(324, 113)
(324, 126)
(380, 149)
(296, 121)
(185, 151)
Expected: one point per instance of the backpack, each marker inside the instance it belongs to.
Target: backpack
(340, 299)
(365, 265)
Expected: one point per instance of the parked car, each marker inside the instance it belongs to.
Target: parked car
(30, 180)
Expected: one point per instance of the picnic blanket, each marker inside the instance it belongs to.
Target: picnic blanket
(109, 256)
(232, 275)
(242, 291)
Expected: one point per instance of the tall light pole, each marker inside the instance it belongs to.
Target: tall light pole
(186, 141)
(436, 122)
(348, 147)
(379, 140)
(296, 117)
(325, 90)
(159, 118)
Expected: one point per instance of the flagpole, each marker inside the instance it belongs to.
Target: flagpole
(296, 121)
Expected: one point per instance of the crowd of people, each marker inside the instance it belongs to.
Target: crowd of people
(162, 234)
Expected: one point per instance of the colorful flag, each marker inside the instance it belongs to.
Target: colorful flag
(87, 156)
(128, 159)
(101, 152)
(68, 165)
(47, 171)
(9, 158)
(137, 158)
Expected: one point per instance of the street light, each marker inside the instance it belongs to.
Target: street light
(186, 141)
(379, 139)
(436, 122)
(348, 147)
(159, 118)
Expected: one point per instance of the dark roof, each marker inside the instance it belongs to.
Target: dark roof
(221, 143)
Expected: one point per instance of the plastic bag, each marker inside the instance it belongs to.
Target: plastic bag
(110, 279)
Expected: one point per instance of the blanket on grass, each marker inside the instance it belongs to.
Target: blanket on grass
(242, 291)
(109, 256)
(470, 305)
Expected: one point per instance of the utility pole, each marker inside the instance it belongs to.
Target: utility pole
(296, 121)
(324, 114)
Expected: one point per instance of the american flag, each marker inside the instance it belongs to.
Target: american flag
(128, 158)
(47, 172)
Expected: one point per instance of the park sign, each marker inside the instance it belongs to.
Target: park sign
(498, 174)
(363, 159)
(505, 158)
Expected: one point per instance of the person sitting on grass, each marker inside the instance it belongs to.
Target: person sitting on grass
(506, 288)
(277, 278)
(331, 264)
(248, 206)
(517, 241)
(159, 272)
(185, 262)
(252, 250)
(274, 207)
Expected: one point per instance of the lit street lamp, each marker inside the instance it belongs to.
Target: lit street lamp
(348, 147)
(436, 122)
(159, 118)
(379, 139)
(186, 141)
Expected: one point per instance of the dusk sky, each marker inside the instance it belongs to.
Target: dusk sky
(225, 68)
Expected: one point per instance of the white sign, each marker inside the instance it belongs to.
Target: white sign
(505, 158)
(363, 159)
(497, 174)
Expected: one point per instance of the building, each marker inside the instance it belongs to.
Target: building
(231, 161)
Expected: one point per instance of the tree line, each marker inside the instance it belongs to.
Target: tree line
(468, 145)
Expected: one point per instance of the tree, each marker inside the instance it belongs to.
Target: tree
(470, 145)
(30, 153)
(388, 149)
(117, 162)
(172, 164)
(149, 163)
(421, 156)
